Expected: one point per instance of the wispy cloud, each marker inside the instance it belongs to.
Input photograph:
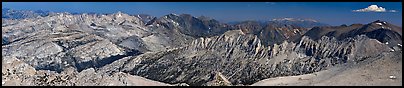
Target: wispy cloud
(374, 8)
(393, 11)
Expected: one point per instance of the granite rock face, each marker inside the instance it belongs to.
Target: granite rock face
(16, 72)
(242, 59)
(272, 32)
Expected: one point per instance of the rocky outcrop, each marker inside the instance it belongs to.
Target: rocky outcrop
(244, 60)
(18, 73)
(304, 23)
(81, 41)
(218, 80)
(270, 32)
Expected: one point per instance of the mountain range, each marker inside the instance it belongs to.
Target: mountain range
(41, 48)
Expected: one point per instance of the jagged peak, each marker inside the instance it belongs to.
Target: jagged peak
(120, 14)
(186, 15)
(379, 22)
(173, 14)
(204, 17)
(170, 16)
(143, 15)
(60, 14)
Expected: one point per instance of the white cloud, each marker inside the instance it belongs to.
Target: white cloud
(373, 8)
(393, 11)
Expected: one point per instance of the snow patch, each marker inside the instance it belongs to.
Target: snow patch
(119, 14)
(8, 62)
(392, 77)
(379, 24)
(93, 27)
(175, 23)
(288, 19)
(174, 14)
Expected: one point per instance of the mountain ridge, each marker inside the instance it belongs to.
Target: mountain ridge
(177, 49)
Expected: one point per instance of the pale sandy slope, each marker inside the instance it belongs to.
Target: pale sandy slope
(373, 71)
(140, 81)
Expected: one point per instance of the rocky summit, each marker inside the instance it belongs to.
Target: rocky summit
(64, 49)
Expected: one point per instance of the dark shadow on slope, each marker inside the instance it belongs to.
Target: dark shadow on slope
(102, 62)
(111, 59)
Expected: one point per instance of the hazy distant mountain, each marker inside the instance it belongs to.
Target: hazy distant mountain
(21, 14)
(305, 23)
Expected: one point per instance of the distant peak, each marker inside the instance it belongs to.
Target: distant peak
(283, 19)
(173, 14)
(186, 15)
(120, 14)
(311, 20)
(204, 17)
(143, 15)
(293, 19)
(379, 22)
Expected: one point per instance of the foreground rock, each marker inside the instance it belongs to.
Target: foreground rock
(17, 73)
(374, 71)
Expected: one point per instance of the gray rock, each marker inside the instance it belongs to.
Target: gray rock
(105, 50)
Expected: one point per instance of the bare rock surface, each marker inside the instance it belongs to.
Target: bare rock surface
(16, 72)
(233, 50)
(375, 71)
(63, 49)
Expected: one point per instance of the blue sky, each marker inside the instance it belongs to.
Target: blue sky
(334, 13)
